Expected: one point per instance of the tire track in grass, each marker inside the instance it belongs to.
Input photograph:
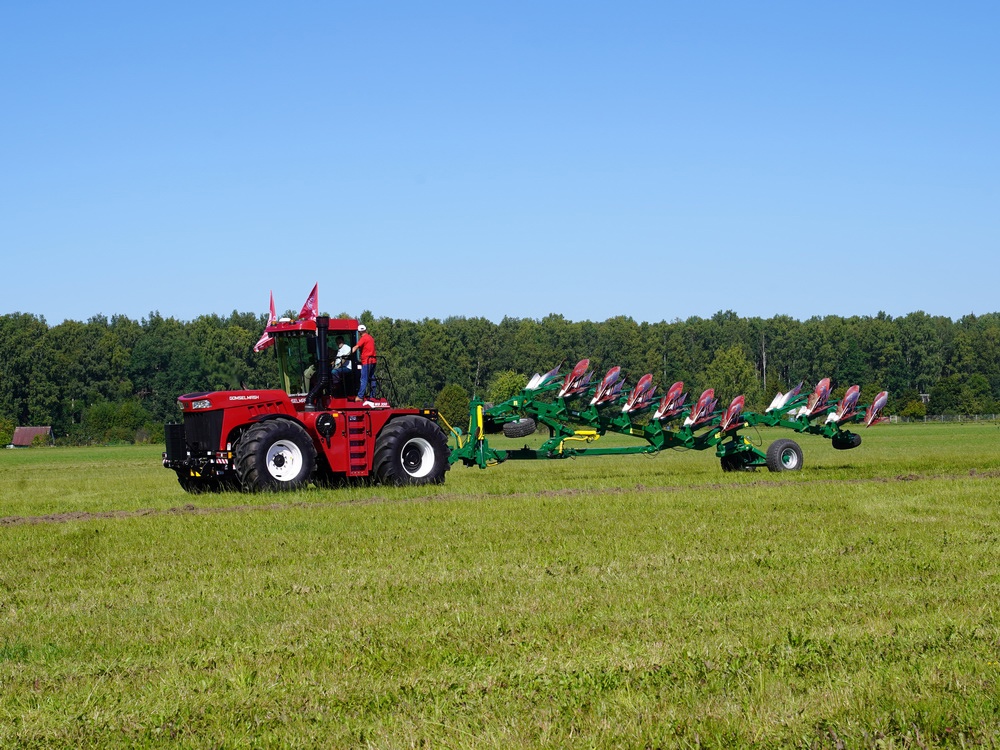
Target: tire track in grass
(190, 509)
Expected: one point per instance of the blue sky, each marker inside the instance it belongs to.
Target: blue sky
(653, 159)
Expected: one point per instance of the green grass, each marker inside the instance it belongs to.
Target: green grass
(602, 602)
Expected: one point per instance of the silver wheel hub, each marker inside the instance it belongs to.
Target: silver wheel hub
(284, 460)
(789, 458)
(417, 457)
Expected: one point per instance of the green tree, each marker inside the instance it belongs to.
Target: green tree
(922, 342)
(7, 426)
(976, 396)
(504, 385)
(946, 396)
(914, 410)
(22, 339)
(732, 374)
(452, 403)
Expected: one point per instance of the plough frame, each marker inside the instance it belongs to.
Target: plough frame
(578, 413)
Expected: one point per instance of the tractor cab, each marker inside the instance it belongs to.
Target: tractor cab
(300, 360)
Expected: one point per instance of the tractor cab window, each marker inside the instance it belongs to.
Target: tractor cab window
(296, 362)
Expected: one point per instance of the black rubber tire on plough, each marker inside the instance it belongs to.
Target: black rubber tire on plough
(844, 442)
(520, 428)
(784, 455)
(410, 450)
(274, 455)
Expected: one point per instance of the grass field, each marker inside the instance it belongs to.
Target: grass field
(602, 602)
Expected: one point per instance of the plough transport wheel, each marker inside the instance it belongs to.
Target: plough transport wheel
(784, 455)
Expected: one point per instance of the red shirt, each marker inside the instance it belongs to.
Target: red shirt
(366, 348)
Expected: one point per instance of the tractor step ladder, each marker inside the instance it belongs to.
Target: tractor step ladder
(358, 434)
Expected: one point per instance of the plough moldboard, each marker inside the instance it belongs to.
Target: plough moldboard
(578, 411)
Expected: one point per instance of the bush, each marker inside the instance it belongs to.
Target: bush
(7, 426)
(914, 410)
(452, 403)
(122, 422)
(504, 385)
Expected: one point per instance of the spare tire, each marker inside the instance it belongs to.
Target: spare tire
(520, 428)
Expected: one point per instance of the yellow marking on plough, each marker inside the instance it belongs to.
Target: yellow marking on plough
(584, 436)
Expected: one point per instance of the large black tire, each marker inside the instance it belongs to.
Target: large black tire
(410, 450)
(844, 441)
(274, 455)
(521, 428)
(784, 455)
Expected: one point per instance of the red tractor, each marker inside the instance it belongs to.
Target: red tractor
(313, 430)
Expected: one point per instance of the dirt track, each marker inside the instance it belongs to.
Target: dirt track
(190, 509)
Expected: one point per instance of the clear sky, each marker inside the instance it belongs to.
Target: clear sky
(433, 159)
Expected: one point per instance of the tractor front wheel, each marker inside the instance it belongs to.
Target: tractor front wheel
(784, 455)
(275, 455)
(410, 450)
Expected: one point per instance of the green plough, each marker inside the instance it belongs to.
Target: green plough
(577, 413)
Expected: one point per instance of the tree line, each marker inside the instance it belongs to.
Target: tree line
(117, 379)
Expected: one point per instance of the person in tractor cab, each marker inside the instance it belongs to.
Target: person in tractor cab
(310, 372)
(341, 362)
(366, 345)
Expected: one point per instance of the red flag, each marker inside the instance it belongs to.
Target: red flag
(265, 340)
(308, 311)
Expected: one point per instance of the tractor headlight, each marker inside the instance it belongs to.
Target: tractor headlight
(202, 403)
(325, 425)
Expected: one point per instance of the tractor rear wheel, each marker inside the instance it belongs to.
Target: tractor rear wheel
(275, 455)
(520, 428)
(784, 455)
(410, 450)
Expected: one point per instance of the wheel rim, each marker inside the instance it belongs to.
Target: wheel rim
(284, 460)
(789, 458)
(417, 457)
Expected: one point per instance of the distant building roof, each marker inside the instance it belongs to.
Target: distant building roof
(25, 436)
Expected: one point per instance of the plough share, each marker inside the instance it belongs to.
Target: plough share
(577, 412)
